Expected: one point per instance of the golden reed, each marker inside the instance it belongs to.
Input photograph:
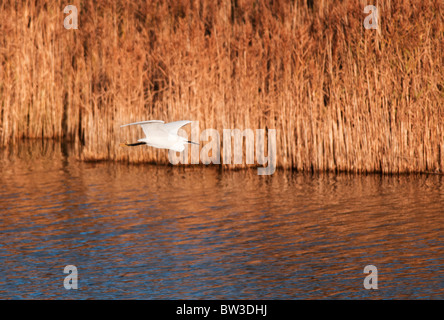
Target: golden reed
(343, 98)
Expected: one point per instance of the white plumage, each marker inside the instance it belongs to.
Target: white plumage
(159, 134)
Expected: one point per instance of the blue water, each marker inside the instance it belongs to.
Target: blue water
(163, 232)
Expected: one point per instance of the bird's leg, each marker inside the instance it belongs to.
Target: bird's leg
(135, 144)
(126, 144)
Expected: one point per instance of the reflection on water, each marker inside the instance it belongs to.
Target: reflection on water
(163, 232)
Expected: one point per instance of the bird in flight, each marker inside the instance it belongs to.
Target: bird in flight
(159, 134)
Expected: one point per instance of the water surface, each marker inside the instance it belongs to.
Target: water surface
(164, 232)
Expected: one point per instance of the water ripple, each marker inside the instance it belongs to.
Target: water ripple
(147, 232)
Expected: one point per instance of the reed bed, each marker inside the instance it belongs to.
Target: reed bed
(341, 97)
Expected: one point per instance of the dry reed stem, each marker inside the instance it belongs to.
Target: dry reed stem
(341, 97)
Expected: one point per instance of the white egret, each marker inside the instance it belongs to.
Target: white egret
(161, 135)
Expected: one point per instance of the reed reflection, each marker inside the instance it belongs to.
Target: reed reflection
(162, 232)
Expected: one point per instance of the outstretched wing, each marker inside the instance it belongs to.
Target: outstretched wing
(142, 122)
(147, 126)
(173, 127)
